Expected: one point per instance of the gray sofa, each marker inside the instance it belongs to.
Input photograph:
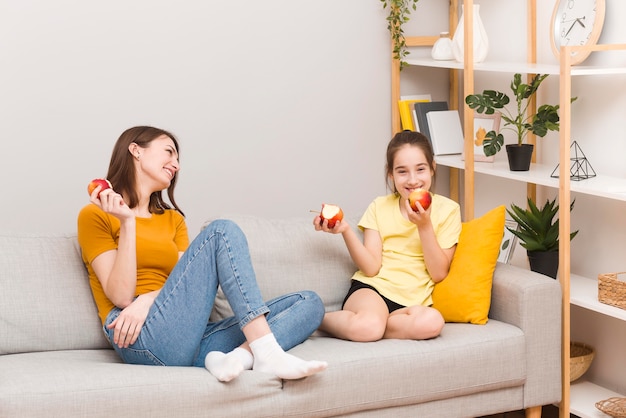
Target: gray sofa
(55, 362)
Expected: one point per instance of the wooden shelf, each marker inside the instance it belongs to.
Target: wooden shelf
(517, 67)
(584, 396)
(540, 174)
(584, 293)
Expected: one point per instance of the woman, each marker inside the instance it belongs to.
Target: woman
(155, 291)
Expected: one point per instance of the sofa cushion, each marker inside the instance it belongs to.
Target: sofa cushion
(465, 294)
(463, 360)
(323, 263)
(95, 383)
(45, 300)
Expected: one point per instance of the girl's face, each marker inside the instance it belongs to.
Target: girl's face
(410, 170)
(158, 163)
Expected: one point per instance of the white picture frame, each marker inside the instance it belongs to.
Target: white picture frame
(483, 124)
(509, 241)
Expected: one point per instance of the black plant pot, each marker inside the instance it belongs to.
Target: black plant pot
(544, 262)
(519, 156)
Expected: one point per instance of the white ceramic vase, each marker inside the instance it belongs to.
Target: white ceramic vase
(442, 49)
(481, 42)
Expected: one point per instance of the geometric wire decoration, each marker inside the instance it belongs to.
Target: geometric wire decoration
(580, 168)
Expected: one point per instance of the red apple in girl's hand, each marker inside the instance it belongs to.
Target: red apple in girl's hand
(98, 182)
(420, 195)
(333, 213)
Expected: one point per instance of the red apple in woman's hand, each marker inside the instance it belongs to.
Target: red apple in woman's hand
(333, 213)
(98, 182)
(420, 195)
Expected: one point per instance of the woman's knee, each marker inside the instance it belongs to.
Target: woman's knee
(316, 305)
(227, 231)
(223, 226)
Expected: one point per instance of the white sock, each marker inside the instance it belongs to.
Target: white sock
(227, 366)
(269, 357)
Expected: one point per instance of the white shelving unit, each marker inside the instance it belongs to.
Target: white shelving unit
(583, 291)
(585, 395)
(516, 67)
(578, 397)
(540, 174)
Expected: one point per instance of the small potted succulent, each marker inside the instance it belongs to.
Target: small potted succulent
(519, 121)
(399, 11)
(538, 233)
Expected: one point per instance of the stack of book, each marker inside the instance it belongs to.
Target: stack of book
(433, 119)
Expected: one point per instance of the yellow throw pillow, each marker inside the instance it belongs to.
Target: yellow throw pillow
(465, 294)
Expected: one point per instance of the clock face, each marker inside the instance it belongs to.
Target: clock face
(577, 23)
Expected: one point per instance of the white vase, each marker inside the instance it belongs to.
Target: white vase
(442, 49)
(481, 43)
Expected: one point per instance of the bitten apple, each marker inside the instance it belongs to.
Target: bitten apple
(420, 195)
(333, 213)
(98, 182)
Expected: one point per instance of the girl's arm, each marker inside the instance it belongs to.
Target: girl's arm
(367, 255)
(437, 259)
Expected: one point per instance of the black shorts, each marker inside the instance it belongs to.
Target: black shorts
(356, 285)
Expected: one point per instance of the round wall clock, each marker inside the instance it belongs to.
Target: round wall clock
(576, 22)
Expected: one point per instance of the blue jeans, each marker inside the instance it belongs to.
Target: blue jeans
(177, 331)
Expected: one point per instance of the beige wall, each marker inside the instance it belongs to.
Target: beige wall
(279, 105)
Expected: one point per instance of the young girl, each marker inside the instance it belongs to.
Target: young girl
(403, 253)
(155, 291)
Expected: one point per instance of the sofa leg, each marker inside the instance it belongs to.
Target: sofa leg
(533, 412)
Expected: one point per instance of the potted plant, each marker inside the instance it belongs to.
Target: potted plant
(519, 120)
(538, 233)
(399, 11)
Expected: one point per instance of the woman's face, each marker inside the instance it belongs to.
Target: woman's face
(158, 163)
(410, 170)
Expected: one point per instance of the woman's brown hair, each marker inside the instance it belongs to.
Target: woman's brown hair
(122, 169)
(401, 139)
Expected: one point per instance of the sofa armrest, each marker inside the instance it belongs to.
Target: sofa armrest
(532, 302)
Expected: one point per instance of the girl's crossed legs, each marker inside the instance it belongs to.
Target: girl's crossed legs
(369, 316)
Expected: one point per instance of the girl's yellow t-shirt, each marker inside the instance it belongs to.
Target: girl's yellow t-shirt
(403, 277)
(159, 240)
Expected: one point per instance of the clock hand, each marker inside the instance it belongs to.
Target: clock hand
(570, 29)
(577, 20)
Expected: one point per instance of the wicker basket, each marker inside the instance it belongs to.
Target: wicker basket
(611, 290)
(580, 357)
(614, 407)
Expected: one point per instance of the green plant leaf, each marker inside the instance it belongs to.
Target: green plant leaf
(537, 228)
(492, 143)
(524, 91)
(487, 102)
(546, 118)
(399, 11)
